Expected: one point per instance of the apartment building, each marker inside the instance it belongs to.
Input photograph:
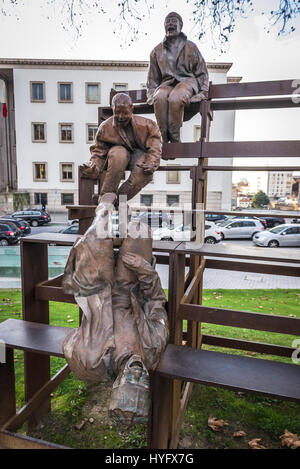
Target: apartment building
(279, 184)
(52, 121)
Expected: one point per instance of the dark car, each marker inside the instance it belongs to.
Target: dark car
(155, 219)
(215, 217)
(270, 222)
(8, 235)
(22, 225)
(34, 217)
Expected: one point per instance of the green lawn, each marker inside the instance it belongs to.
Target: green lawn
(259, 417)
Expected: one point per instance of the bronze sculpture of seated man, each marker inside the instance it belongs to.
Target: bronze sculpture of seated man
(177, 76)
(125, 142)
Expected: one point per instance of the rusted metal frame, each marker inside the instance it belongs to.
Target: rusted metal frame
(257, 267)
(251, 149)
(34, 269)
(9, 440)
(7, 387)
(243, 319)
(250, 346)
(35, 402)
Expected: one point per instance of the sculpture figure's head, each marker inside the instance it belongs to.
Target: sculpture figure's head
(122, 109)
(173, 24)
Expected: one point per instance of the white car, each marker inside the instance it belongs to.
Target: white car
(183, 233)
(281, 235)
(240, 228)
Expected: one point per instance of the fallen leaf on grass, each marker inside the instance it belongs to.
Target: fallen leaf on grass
(255, 444)
(215, 424)
(79, 426)
(240, 433)
(290, 440)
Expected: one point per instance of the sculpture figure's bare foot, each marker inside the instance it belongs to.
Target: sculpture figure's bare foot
(90, 171)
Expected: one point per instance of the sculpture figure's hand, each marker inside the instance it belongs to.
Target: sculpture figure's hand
(93, 168)
(148, 168)
(199, 97)
(132, 261)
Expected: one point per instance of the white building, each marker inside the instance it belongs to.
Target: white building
(279, 184)
(53, 106)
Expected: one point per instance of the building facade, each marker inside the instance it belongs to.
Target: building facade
(53, 106)
(279, 184)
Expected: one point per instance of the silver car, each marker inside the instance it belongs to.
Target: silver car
(281, 235)
(240, 228)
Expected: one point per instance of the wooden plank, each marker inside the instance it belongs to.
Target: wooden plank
(249, 346)
(254, 103)
(228, 250)
(9, 440)
(189, 293)
(251, 168)
(161, 411)
(180, 419)
(181, 150)
(270, 268)
(52, 293)
(258, 213)
(7, 387)
(34, 403)
(235, 372)
(34, 269)
(243, 319)
(39, 339)
(258, 88)
(268, 149)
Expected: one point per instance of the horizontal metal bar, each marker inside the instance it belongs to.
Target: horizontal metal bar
(254, 103)
(258, 88)
(271, 268)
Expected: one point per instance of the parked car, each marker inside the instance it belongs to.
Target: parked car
(214, 217)
(183, 233)
(240, 228)
(22, 225)
(33, 216)
(281, 235)
(8, 235)
(272, 221)
(251, 217)
(72, 229)
(155, 219)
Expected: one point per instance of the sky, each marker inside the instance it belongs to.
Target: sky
(34, 31)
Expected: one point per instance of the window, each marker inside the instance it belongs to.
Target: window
(67, 172)
(38, 132)
(37, 91)
(67, 199)
(197, 132)
(172, 200)
(65, 92)
(147, 199)
(91, 130)
(40, 198)
(40, 172)
(293, 230)
(120, 86)
(173, 177)
(92, 93)
(66, 133)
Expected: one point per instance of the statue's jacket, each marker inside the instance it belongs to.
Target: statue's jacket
(146, 134)
(188, 65)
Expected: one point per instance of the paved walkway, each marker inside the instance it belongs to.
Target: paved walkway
(212, 279)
